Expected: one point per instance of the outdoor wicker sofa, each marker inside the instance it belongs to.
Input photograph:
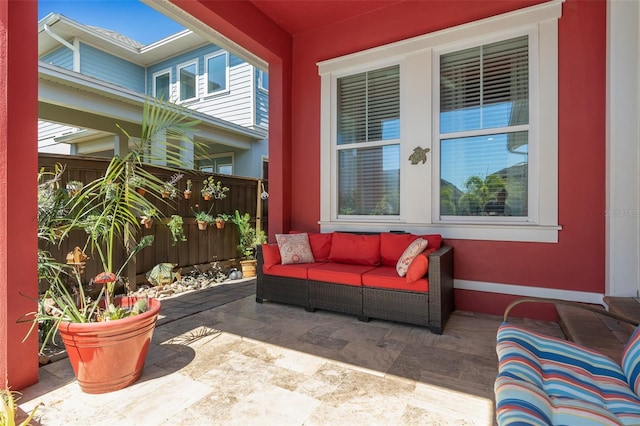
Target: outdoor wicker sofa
(346, 277)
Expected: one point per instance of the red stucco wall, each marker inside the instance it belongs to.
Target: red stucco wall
(577, 261)
(18, 196)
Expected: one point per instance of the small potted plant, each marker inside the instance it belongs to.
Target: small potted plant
(169, 189)
(74, 187)
(221, 219)
(187, 192)
(177, 231)
(147, 216)
(138, 183)
(212, 189)
(204, 218)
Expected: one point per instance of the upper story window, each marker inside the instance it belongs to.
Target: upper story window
(367, 151)
(263, 80)
(484, 130)
(162, 84)
(454, 132)
(188, 81)
(217, 72)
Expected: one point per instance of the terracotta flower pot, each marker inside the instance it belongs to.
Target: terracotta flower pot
(206, 197)
(148, 223)
(187, 195)
(248, 268)
(220, 224)
(141, 191)
(107, 356)
(202, 225)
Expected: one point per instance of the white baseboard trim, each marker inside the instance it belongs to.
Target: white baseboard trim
(519, 290)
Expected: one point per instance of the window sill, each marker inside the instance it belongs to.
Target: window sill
(486, 232)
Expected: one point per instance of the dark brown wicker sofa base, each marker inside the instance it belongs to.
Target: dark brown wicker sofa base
(431, 309)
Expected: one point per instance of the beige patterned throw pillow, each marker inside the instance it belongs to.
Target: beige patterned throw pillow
(294, 248)
(414, 249)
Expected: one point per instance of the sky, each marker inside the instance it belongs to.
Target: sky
(128, 17)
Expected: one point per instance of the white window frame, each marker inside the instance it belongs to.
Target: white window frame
(261, 76)
(419, 92)
(531, 128)
(179, 83)
(159, 73)
(226, 70)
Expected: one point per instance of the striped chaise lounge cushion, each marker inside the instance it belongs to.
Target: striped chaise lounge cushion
(549, 381)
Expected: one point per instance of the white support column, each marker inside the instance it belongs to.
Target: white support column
(623, 149)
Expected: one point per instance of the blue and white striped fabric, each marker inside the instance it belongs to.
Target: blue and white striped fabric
(545, 380)
(631, 361)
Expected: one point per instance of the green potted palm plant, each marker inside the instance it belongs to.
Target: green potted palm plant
(106, 337)
(249, 239)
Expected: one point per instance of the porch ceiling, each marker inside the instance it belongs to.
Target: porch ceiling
(299, 16)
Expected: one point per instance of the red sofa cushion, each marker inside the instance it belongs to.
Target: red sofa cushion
(387, 277)
(420, 266)
(270, 255)
(338, 273)
(355, 249)
(320, 244)
(294, 270)
(393, 245)
(435, 240)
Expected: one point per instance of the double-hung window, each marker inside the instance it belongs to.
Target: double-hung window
(453, 132)
(483, 132)
(217, 72)
(368, 143)
(188, 81)
(162, 84)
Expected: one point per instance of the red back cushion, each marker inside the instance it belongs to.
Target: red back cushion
(320, 246)
(355, 249)
(270, 255)
(435, 240)
(393, 245)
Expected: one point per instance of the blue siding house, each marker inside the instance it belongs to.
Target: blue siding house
(92, 78)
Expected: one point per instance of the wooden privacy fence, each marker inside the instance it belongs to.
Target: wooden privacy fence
(201, 247)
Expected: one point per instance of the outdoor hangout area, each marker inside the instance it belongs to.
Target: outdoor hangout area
(264, 219)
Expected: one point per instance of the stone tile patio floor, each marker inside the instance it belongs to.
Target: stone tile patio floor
(218, 357)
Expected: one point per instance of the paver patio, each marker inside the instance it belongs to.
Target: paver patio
(218, 357)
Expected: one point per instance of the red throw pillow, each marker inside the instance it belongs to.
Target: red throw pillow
(270, 255)
(355, 249)
(420, 266)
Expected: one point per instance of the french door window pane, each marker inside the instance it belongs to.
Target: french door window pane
(369, 181)
(369, 106)
(162, 86)
(188, 82)
(217, 73)
(484, 175)
(485, 87)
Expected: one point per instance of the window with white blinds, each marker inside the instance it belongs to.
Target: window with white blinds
(484, 130)
(368, 143)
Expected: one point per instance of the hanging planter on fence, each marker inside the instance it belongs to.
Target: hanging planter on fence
(202, 225)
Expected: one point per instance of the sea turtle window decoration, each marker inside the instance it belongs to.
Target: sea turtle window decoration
(419, 154)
